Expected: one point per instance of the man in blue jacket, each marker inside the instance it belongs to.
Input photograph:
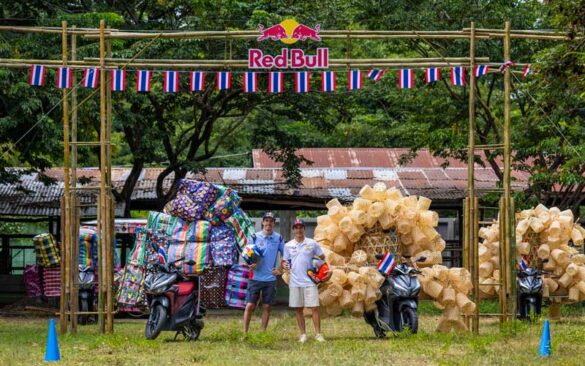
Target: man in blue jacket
(263, 274)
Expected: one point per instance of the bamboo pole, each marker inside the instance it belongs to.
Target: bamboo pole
(109, 239)
(341, 61)
(101, 251)
(471, 235)
(502, 296)
(466, 247)
(73, 208)
(475, 250)
(66, 241)
(62, 299)
(507, 162)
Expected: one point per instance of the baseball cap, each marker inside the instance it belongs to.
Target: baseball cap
(298, 222)
(268, 215)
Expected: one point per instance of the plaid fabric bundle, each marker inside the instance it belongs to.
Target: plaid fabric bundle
(184, 207)
(130, 292)
(242, 226)
(51, 281)
(198, 253)
(88, 247)
(213, 283)
(179, 230)
(237, 286)
(32, 280)
(46, 249)
(223, 207)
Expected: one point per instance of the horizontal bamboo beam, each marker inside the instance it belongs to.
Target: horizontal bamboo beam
(48, 30)
(364, 60)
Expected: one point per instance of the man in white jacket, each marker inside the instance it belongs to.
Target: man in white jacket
(298, 258)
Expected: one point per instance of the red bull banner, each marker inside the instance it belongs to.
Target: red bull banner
(289, 32)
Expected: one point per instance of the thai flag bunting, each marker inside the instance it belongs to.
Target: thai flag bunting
(197, 80)
(302, 84)
(275, 81)
(432, 74)
(171, 81)
(523, 263)
(250, 82)
(386, 265)
(458, 75)
(37, 75)
(376, 74)
(354, 79)
(223, 80)
(64, 75)
(481, 70)
(118, 80)
(91, 78)
(143, 81)
(527, 70)
(405, 78)
(328, 81)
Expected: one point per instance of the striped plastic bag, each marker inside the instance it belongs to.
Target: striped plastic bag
(178, 229)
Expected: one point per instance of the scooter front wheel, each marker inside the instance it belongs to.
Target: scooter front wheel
(409, 319)
(155, 321)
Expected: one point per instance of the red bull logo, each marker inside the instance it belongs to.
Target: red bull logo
(294, 58)
(288, 32)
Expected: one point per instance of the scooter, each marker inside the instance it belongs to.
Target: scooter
(173, 300)
(397, 309)
(529, 293)
(86, 292)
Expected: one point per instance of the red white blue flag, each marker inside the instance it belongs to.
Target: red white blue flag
(376, 74)
(275, 82)
(37, 75)
(162, 255)
(328, 81)
(523, 263)
(302, 84)
(197, 80)
(64, 76)
(432, 74)
(250, 82)
(91, 78)
(458, 76)
(527, 70)
(354, 79)
(386, 265)
(481, 70)
(405, 78)
(223, 80)
(118, 80)
(171, 81)
(143, 81)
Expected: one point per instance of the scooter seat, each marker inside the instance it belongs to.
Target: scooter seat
(185, 288)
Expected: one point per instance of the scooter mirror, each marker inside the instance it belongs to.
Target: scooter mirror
(421, 259)
(379, 256)
(190, 263)
(545, 260)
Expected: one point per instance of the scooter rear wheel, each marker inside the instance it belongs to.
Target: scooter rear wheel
(155, 322)
(84, 308)
(410, 319)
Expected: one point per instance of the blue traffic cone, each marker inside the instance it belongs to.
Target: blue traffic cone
(52, 349)
(545, 348)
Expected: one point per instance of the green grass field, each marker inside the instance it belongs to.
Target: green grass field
(350, 342)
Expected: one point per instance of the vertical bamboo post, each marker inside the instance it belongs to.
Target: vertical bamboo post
(62, 299)
(73, 201)
(66, 240)
(475, 251)
(466, 249)
(509, 216)
(471, 235)
(503, 298)
(101, 200)
(109, 235)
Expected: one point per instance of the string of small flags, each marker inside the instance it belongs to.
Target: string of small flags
(276, 82)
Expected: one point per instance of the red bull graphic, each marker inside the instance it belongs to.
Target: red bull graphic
(289, 58)
(289, 31)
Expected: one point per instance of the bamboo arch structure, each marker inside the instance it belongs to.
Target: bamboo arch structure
(105, 203)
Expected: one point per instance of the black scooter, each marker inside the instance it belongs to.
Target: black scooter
(529, 293)
(86, 293)
(398, 306)
(173, 300)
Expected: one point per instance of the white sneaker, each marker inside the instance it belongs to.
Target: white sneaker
(319, 338)
(303, 338)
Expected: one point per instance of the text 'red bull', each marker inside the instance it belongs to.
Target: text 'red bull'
(289, 58)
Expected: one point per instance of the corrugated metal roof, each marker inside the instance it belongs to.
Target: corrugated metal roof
(268, 184)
